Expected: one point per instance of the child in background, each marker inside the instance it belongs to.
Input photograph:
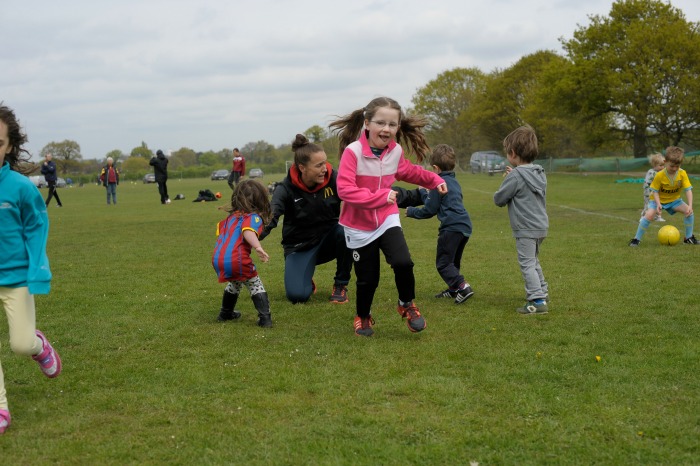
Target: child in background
(24, 267)
(237, 236)
(455, 224)
(370, 217)
(524, 190)
(666, 191)
(657, 164)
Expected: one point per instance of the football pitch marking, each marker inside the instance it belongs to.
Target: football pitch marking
(575, 209)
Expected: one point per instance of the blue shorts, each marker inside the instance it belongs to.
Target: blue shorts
(670, 207)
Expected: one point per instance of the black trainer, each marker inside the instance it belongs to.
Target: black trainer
(634, 242)
(691, 240)
(462, 295)
(448, 293)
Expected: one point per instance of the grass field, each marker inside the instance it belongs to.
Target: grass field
(150, 377)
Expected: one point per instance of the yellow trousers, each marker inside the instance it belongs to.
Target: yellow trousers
(21, 321)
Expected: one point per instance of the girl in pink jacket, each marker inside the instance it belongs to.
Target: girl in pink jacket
(370, 217)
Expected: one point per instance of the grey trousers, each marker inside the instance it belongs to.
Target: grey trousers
(528, 258)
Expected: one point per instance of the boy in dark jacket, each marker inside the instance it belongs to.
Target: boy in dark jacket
(455, 224)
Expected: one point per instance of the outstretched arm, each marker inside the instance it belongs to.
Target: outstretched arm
(252, 238)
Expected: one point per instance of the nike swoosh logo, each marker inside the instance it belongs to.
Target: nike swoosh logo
(297, 200)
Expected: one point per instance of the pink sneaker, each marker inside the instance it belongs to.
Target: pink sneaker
(4, 420)
(49, 360)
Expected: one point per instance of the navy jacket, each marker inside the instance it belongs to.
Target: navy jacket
(48, 169)
(448, 208)
(308, 214)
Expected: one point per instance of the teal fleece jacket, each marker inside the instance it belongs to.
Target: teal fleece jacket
(24, 229)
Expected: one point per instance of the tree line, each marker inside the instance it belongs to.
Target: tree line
(627, 83)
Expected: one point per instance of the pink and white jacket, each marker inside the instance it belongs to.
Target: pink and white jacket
(364, 182)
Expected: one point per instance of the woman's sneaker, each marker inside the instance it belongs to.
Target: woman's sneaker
(49, 360)
(363, 326)
(4, 420)
(415, 322)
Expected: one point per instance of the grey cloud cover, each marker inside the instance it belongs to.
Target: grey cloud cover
(215, 74)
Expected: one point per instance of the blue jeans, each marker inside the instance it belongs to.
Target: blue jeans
(112, 190)
(299, 266)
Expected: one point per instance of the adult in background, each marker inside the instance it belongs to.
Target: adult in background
(238, 168)
(309, 201)
(110, 179)
(48, 169)
(160, 168)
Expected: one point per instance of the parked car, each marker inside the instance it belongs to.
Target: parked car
(219, 175)
(488, 161)
(38, 181)
(61, 183)
(149, 178)
(255, 173)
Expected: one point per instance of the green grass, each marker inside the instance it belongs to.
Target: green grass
(150, 377)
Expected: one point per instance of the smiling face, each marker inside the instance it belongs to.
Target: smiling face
(5, 147)
(383, 127)
(314, 171)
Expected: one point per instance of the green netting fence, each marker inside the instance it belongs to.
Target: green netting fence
(691, 163)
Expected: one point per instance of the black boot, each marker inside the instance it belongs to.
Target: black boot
(228, 302)
(262, 305)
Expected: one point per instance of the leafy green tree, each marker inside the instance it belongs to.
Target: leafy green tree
(133, 165)
(142, 151)
(210, 159)
(183, 157)
(640, 67)
(116, 155)
(259, 152)
(525, 93)
(315, 133)
(445, 100)
(65, 154)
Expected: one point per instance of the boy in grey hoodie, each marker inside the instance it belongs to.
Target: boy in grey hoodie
(524, 191)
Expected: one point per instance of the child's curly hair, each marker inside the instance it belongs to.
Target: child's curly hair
(18, 157)
(249, 196)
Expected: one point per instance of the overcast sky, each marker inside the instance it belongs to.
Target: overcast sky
(209, 74)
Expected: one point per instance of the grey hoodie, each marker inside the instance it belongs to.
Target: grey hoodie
(524, 190)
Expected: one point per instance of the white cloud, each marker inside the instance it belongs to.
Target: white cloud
(214, 74)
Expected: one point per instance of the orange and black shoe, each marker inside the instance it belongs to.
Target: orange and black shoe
(415, 322)
(363, 326)
(339, 295)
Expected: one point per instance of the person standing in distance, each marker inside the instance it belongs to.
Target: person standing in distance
(110, 179)
(237, 169)
(160, 168)
(48, 169)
